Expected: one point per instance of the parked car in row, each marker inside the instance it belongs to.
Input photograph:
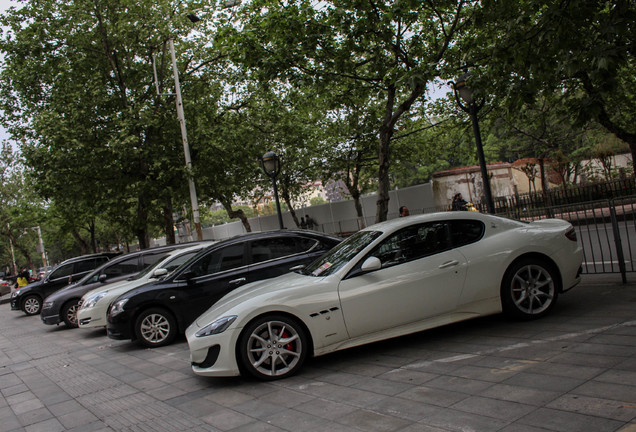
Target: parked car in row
(391, 279)
(155, 313)
(61, 306)
(94, 304)
(29, 298)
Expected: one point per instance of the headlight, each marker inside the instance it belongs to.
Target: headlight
(92, 301)
(218, 326)
(48, 305)
(15, 293)
(117, 307)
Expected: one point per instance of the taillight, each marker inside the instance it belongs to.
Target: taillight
(571, 234)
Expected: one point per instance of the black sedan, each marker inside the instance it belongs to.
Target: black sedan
(155, 313)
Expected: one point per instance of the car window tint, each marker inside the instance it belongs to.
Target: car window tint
(412, 243)
(151, 258)
(85, 265)
(227, 258)
(464, 232)
(63, 271)
(179, 261)
(278, 247)
(124, 267)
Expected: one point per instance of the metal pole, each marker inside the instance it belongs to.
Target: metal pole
(280, 216)
(186, 147)
(482, 160)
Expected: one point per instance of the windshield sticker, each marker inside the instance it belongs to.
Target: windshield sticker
(321, 269)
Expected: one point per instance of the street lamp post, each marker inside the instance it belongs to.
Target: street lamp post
(271, 165)
(463, 92)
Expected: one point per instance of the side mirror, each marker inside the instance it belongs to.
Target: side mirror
(159, 272)
(102, 278)
(189, 275)
(371, 264)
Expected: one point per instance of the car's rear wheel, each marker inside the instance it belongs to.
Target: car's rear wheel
(155, 328)
(530, 289)
(69, 313)
(273, 347)
(32, 305)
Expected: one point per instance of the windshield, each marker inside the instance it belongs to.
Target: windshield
(171, 264)
(340, 255)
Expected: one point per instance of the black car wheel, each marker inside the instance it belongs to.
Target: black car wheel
(155, 328)
(32, 305)
(69, 313)
(273, 347)
(530, 289)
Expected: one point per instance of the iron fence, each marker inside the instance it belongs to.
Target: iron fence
(606, 229)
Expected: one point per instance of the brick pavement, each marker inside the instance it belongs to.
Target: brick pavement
(574, 370)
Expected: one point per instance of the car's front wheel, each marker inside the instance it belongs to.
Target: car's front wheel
(155, 328)
(273, 347)
(69, 313)
(530, 289)
(32, 305)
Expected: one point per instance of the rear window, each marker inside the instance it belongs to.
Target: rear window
(464, 232)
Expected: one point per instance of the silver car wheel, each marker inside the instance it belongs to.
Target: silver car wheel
(32, 305)
(155, 328)
(274, 349)
(532, 289)
(70, 314)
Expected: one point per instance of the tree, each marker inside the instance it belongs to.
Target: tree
(580, 48)
(393, 49)
(80, 100)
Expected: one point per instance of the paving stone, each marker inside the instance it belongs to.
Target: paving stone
(557, 420)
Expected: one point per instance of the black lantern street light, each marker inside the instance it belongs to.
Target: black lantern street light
(271, 165)
(465, 93)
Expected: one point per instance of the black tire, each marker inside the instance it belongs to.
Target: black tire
(32, 305)
(69, 313)
(155, 328)
(530, 289)
(268, 357)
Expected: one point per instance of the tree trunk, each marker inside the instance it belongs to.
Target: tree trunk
(141, 230)
(80, 241)
(168, 222)
(234, 214)
(544, 188)
(287, 198)
(91, 229)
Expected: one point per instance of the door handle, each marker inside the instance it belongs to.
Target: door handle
(237, 281)
(449, 264)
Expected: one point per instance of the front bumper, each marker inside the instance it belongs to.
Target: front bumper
(213, 355)
(49, 318)
(119, 327)
(15, 304)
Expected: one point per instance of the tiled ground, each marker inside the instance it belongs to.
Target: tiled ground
(572, 371)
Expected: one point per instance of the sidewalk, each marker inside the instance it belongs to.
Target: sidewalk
(574, 370)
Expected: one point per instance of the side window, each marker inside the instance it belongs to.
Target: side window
(124, 267)
(85, 265)
(63, 271)
(227, 258)
(412, 243)
(464, 232)
(149, 259)
(178, 261)
(278, 247)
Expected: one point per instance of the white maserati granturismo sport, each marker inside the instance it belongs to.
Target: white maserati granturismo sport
(394, 278)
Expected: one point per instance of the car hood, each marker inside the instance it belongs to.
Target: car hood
(267, 287)
(118, 288)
